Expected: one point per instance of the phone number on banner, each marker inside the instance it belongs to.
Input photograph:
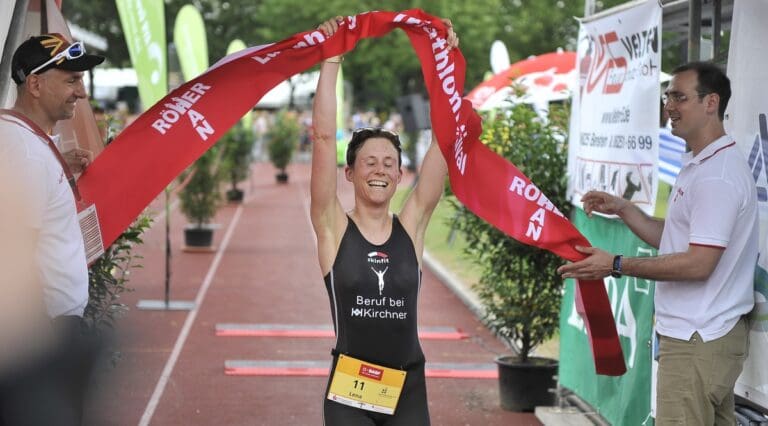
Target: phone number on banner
(631, 142)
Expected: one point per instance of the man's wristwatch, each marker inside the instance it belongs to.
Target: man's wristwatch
(616, 271)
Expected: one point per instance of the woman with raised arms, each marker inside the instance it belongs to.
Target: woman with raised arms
(371, 262)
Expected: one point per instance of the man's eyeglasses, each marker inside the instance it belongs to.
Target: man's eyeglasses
(73, 51)
(679, 97)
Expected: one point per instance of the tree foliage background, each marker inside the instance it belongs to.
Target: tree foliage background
(518, 289)
(379, 70)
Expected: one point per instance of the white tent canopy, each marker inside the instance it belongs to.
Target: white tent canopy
(304, 86)
(107, 81)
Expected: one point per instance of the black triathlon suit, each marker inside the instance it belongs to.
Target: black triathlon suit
(373, 291)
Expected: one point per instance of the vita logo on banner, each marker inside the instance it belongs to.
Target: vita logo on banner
(182, 105)
(614, 130)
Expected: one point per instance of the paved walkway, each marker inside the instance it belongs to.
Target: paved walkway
(264, 272)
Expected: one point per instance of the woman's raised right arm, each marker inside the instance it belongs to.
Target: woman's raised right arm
(325, 209)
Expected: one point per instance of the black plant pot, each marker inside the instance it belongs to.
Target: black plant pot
(235, 196)
(525, 386)
(282, 177)
(198, 237)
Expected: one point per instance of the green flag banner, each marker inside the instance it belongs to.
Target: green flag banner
(144, 28)
(191, 43)
(623, 400)
(237, 45)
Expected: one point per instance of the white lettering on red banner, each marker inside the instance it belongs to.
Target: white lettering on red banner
(445, 72)
(182, 105)
(458, 148)
(264, 59)
(532, 193)
(311, 39)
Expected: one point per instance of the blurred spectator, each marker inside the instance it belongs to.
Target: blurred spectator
(42, 241)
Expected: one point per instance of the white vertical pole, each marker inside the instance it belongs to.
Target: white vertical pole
(589, 7)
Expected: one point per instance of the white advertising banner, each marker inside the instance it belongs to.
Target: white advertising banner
(747, 121)
(614, 132)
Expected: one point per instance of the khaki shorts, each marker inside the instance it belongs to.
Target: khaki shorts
(696, 378)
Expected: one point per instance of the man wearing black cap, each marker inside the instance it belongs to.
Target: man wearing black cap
(42, 381)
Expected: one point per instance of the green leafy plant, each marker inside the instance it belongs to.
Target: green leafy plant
(283, 137)
(518, 287)
(200, 196)
(108, 277)
(238, 146)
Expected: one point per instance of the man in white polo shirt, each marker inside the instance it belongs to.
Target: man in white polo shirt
(42, 380)
(707, 254)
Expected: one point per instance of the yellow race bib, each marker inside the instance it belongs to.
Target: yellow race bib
(365, 385)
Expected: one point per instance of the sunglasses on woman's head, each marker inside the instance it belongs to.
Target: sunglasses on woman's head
(375, 130)
(369, 132)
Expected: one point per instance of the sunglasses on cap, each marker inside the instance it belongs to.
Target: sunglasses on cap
(73, 51)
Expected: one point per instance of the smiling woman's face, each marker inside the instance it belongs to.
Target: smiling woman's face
(376, 172)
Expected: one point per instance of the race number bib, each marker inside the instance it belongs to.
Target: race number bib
(89, 226)
(365, 385)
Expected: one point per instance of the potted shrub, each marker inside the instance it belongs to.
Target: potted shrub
(282, 139)
(518, 287)
(238, 146)
(199, 198)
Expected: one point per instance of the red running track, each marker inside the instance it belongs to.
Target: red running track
(172, 365)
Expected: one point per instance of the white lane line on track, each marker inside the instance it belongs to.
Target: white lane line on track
(181, 340)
